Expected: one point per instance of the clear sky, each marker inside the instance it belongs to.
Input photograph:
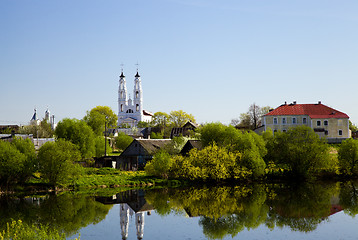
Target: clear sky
(210, 58)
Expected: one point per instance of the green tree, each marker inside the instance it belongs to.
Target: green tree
(98, 116)
(100, 148)
(252, 118)
(160, 119)
(12, 163)
(300, 148)
(348, 156)
(353, 127)
(179, 118)
(26, 147)
(56, 161)
(122, 141)
(44, 130)
(159, 165)
(79, 133)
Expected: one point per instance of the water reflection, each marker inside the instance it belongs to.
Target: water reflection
(222, 211)
(131, 202)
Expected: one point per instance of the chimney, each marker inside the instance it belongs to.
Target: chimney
(319, 102)
(294, 102)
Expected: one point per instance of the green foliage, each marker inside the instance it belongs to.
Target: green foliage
(160, 119)
(353, 127)
(142, 124)
(12, 163)
(100, 148)
(98, 116)
(212, 163)
(79, 133)
(160, 165)
(348, 156)
(22, 231)
(122, 141)
(44, 130)
(300, 148)
(179, 118)
(158, 135)
(249, 144)
(56, 161)
(26, 147)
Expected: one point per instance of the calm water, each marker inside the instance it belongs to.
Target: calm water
(271, 211)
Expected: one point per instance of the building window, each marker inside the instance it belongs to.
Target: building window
(284, 120)
(326, 132)
(318, 123)
(121, 107)
(129, 111)
(284, 130)
(275, 130)
(325, 122)
(304, 120)
(137, 107)
(340, 132)
(136, 94)
(294, 120)
(275, 121)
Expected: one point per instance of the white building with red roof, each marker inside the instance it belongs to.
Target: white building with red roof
(325, 121)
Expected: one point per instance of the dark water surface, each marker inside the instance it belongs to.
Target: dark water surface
(257, 211)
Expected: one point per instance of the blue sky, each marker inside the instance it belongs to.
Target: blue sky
(209, 58)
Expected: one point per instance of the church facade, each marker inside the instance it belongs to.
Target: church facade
(130, 111)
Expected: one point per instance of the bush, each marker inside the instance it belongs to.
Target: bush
(122, 141)
(300, 148)
(211, 163)
(56, 161)
(12, 163)
(26, 147)
(348, 156)
(160, 165)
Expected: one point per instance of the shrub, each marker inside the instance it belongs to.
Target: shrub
(159, 165)
(12, 163)
(56, 161)
(122, 141)
(300, 148)
(348, 156)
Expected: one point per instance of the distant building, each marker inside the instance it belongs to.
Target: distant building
(130, 112)
(189, 145)
(50, 119)
(327, 122)
(186, 130)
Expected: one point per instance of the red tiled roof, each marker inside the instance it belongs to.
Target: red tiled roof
(312, 110)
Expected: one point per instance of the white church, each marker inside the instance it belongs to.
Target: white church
(130, 112)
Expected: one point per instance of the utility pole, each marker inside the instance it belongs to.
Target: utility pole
(105, 137)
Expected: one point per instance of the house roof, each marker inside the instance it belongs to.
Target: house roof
(152, 145)
(189, 124)
(147, 113)
(312, 110)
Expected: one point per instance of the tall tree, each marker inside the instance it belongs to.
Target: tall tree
(79, 133)
(160, 119)
(179, 118)
(98, 117)
(252, 118)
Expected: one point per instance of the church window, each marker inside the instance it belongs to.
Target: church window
(136, 94)
(121, 107)
(129, 111)
(137, 107)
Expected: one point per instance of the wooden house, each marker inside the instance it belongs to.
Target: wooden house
(136, 155)
(190, 144)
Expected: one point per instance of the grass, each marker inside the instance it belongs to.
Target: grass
(109, 177)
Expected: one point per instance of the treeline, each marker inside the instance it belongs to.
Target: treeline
(230, 154)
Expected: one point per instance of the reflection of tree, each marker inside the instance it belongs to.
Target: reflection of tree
(301, 206)
(66, 212)
(348, 198)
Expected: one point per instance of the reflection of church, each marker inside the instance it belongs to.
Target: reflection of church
(131, 203)
(126, 211)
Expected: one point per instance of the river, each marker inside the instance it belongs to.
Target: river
(255, 211)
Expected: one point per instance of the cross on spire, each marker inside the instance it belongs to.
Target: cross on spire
(122, 67)
(137, 64)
